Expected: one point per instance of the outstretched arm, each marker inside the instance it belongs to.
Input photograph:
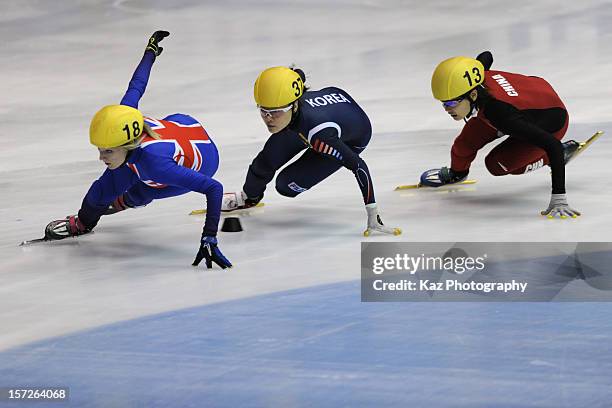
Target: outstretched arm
(327, 142)
(171, 173)
(102, 192)
(514, 123)
(278, 150)
(168, 172)
(140, 78)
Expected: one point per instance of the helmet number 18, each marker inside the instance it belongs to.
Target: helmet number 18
(135, 128)
(477, 76)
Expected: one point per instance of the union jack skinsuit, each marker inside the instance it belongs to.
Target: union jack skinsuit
(185, 159)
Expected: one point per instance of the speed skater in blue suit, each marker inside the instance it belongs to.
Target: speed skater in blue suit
(148, 159)
(327, 123)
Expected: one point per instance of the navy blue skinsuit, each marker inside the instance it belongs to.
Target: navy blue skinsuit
(334, 129)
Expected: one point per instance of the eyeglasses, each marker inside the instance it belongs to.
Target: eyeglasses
(274, 113)
(452, 103)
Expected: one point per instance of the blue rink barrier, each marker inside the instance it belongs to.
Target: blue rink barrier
(323, 347)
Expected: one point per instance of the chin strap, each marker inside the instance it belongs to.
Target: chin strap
(294, 115)
(473, 111)
(473, 106)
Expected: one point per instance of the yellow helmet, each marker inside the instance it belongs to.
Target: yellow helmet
(455, 77)
(115, 125)
(278, 86)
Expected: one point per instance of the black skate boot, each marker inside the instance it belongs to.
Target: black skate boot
(569, 150)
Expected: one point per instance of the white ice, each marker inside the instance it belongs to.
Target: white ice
(61, 61)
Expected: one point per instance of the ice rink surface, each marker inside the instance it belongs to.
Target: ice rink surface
(121, 317)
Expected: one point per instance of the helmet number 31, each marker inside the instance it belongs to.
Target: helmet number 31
(296, 85)
(135, 130)
(477, 76)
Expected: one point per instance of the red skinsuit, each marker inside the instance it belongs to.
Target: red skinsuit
(529, 110)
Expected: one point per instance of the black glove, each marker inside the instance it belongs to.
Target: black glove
(153, 44)
(69, 227)
(211, 252)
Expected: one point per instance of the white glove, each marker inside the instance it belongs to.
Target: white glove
(558, 207)
(238, 201)
(233, 201)
(375, 223)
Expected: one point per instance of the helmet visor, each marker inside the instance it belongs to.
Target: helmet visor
(453, 103)
(274, 113)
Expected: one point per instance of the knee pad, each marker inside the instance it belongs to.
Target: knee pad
(495, 167)
(288, 188)
(284, 190)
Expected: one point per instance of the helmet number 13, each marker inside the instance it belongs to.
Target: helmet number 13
(135, 128)
(477, 76)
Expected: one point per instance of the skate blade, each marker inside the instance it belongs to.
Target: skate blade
(33, 241)
(203, 211)
(414, 186)
(590, 141)
(587, 143)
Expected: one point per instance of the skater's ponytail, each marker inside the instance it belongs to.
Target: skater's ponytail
(147, 132)
(301, 74)
(151, 132)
